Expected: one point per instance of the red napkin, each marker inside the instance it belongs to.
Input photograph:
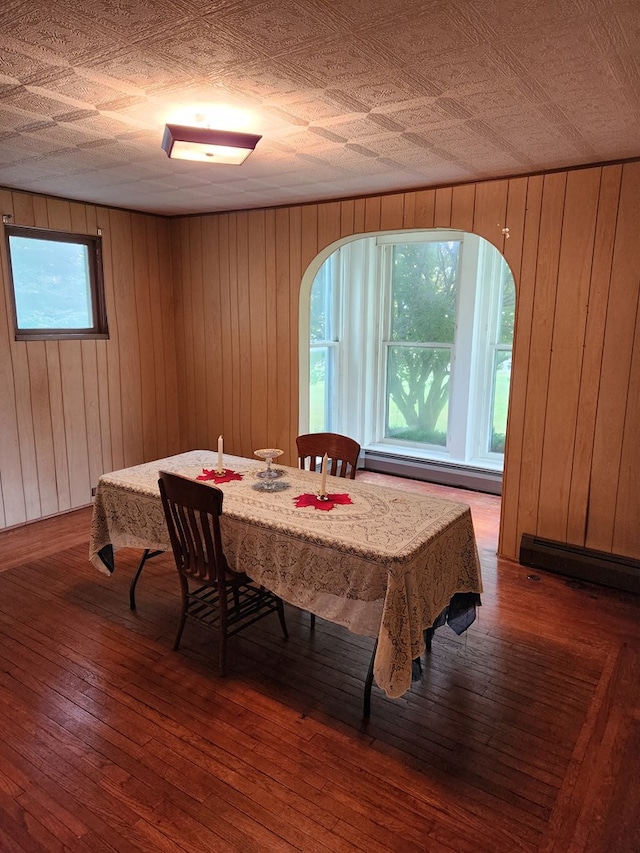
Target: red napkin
(225, 477)
(314, 501)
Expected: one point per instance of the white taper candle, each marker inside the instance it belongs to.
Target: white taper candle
(323, 483)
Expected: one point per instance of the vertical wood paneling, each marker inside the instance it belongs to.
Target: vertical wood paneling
(212, 354)
(148, 402)
(285, 317)
(425, 209)
(228, 286)
(625, 528)
(567, 348)
(359, 216)
(592, 356)
(224, 400)
(543, 308)
(463, 207)
(562, 229)
(66, 356)
(12, 509)
(273, 420)
(258, 368)
(156, 343)
(392, 212)
(168, 359)
(238, 338)
(614, 420)
(528, 237)
(372, 212)
(442, 210)
(111, 401)
(490, 211)
(187, 369)
(196, 344)
(328, 223)
(41, 411)
(347, 218)
(59, 427)
(23, 212)
(296, 271)
(130, 376)
(80, 406)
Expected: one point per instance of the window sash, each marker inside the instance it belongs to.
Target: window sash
(94, 308)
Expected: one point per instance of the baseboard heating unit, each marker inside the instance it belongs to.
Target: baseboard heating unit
(581, 563)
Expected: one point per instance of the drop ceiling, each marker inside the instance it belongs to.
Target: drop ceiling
(351, 97)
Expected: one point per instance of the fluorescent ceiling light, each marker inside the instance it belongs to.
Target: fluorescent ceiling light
(208, 145)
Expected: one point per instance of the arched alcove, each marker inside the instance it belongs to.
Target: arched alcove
(405, 344)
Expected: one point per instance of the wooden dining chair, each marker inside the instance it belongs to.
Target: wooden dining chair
(212, 593)
(342, 453)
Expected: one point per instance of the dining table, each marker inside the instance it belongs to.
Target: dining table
(383, 562)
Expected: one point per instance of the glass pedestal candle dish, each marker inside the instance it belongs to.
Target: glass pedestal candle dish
(269, 476)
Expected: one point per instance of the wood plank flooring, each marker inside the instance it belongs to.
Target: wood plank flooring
(523, 735)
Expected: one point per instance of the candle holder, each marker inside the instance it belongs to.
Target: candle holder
(269, 475)
(321, 497)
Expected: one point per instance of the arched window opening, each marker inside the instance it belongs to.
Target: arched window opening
(409, 341)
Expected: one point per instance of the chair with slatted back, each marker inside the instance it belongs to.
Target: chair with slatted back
(342, 453)
(342, 457)
(212, 593)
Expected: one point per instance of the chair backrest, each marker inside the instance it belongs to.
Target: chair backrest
(342, 453)
(192, 511)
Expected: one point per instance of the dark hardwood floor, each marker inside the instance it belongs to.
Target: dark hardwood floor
(523, 735)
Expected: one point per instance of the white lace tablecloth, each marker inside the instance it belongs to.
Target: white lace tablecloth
(384, 566)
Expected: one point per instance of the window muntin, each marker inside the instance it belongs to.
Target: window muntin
(57, 284)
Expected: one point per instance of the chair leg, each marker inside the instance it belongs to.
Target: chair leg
(183, 619)
(312, 621)
(184, 596)
(369, 683)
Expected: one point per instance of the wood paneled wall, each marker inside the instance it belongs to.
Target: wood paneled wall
(203, 316)
(572, 459)
(70, 410)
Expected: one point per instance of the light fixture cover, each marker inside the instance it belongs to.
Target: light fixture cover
(208, 145)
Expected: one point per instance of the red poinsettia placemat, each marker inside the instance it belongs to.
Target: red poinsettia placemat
(314, 501)
(225, 477)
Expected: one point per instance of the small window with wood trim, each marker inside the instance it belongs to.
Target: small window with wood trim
(57, 284)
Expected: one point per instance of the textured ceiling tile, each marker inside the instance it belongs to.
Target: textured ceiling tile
(125, 18)
(68, 86)
(332, 59)
(362, 96)
(459, 70)
(202, 48)
(414, 36)
(276, 26)
(379, 91)
(517, 17)
(56, 33)
(358, 11)
(419, 117)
